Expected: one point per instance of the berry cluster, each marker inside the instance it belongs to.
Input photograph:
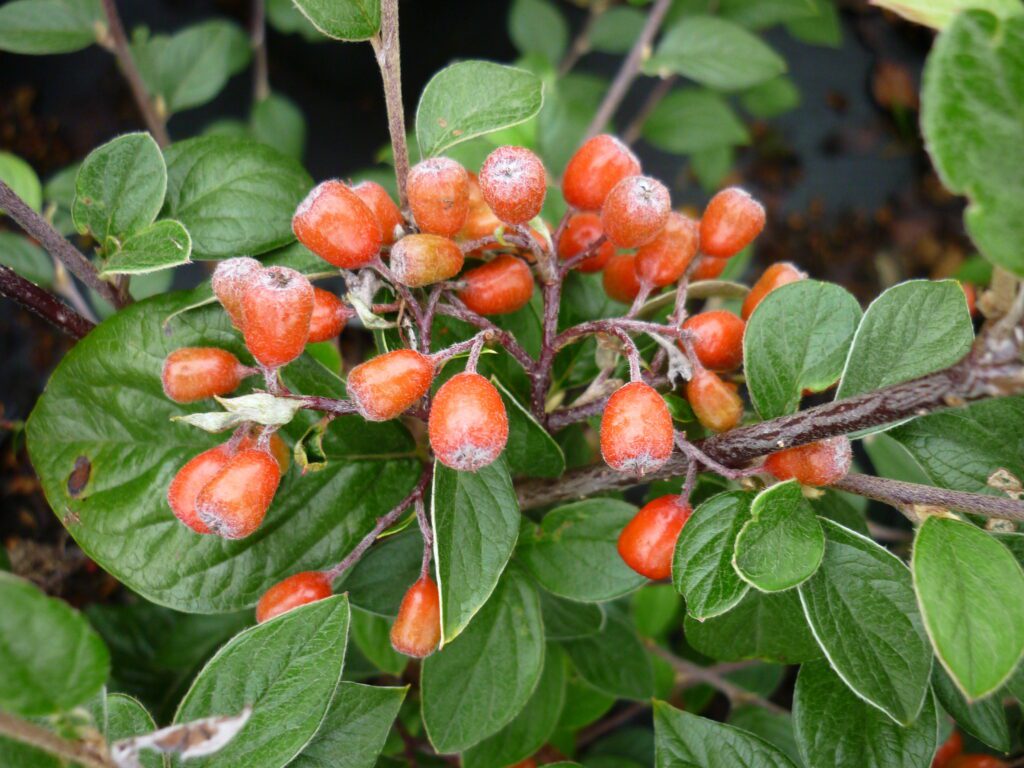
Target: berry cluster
(951, 755)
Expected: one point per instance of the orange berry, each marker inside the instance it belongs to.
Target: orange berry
(336, 225)
(514, 183)
(417, 629)
(419, 260)
(384, 209)
(235, 501)
(278, 448)
(527, 763)
(229, 281)
(387, 385)
(664, 260)
(328, 318)
(190, 480)
(950, 748)
(468, 425)
(438, 191)
(480, 221)
(716, 403)
(620, 279)
(777, 275)
(600, 164)
(300, 589)
(636, 430)
(976, 761)
(635, 211)
(195, 373)
(730, 223)
(717, 339)
(971, 295)
(821, 463)
(502, 285)
(581, 231)
(648, 541)
(276, 312)
(708, 268)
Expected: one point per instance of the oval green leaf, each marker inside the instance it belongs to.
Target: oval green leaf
(710, 123)
(50, 26)
(984, 719)
(614, 661)
(162, 245)
(343, 19)
(530, 451)
(20, 177)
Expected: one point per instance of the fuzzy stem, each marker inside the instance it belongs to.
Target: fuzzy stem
(386, 49)
(43, 304)
(899, 494)
(258, 43)
(40, 738)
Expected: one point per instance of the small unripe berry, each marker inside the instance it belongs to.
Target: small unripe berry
(822, 463)
(635, 211)
(328, 318)
(600, 164)
(648, 541)
(417, 629)
(513, 182)
(336, 225)
(716, 403)
(235, 501)
(195, 373)
(384, 209)
(387, 385)
(950, 748)
(468, 425)
(730, 223)
(190, 480)
(717, 338)
(636, 430)
(620, 280)
(276, 312)
(229, 282)
(419, 260)
(777, 275)
(581, 231)
(438, 191)
(708, 268)
(502, 285)
(300, 589)
(664, 260)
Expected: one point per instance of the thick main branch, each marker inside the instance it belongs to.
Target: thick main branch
(43, 303)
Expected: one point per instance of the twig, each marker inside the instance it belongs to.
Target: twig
(659, 92)
(459, 311)
(43, 304)
(581, 43)
(901, 495)
(593, 732)
(36, 736)
(427, 531)
(386, 49)
(258, 43)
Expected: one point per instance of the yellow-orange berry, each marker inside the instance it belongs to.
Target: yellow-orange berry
(581, 232)
(716, 403)
(468, 424)
(300, 589)
(648, 542)
(229, 281)
(195, 373)
(387, 385)
(513, 182)
(328, 318)
(190, 480)
(336, 225)
(235, 500)
(438, 191)
(620, 280)
(276, 312)
(636, 430)
(502, 285)
(424, 259)
(822, 463)
(777, 275)
(384, 209)
(664, 260)
(417, 629)
(600, 164)
(717, 338)
(635, 211)
(730, 223)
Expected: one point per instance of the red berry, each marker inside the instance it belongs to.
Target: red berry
(502, 285)
(328, 318)
(387, 385)
(527, 763)
(278, 448)
(190, 480)
(417, 629)
(636, 430)
(777, 275)
(276, 312)
(468, 425)
(581, 231)
(438, 191)
(300, 589)
(976, 761)
(822, 463)
(419, 260)
(971, 295)
(648, 541)
(195, 373)
(620, 279)
(715, 402)
(730, 223)
(513, 182)
(664, 260)
(336, 225)
(950, 748)
(600, 164)
(235, 501)
(717, 338)
(480, 221)
(384, 209)
(708, 268)
(229, 281)
(635, 211)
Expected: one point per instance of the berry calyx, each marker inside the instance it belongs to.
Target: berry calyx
(384, 209)
(195, 373)
(418, 260)
(229, 282)
(582, 231)
(235, 500)
(417, 629)
(708, 268)
(822, 463)
(300, 589)
(468, 424)
(336, 225)
(648, 542)
(730, 223)
(387, 385)
(438, 191)
(636, 430)
(329, 316)
(716, 403)
(513, 182)
(664, 260)
(635, 211)
(190, 480)
(276, 312)
(717, 338)
(620, 280)
(950, 748)
(598, 165)
(777, 275)
(502, 285)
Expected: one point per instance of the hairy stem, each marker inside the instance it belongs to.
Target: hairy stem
(386, 49)
(43, 304)
(36, 736)
(258, 43)
(900, 495)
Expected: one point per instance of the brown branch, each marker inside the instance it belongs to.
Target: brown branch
(636, 125)
(581, 43)
(901, 495)
(258, 43)
(43, 303)
(36, 736)
(386, 49)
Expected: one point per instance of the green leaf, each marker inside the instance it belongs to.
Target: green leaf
(530, 451)
(684, 739)
(537, 26)
(573, 552)
(835, 727)
(343, 19)
(702, 568)
(709, 120)
(125, 717)
(774, 727)
(473, 98)
(285, 17)
(127, 450)
(782, 543)
(765, 13)
(890, 459)
(656, 609)
(276, 121)
(939, 14)
(162, 245)
(287, 670)
(771, 98)
(233, 196)
(50, 26)
(985, 719)
(861, 607)
(614, 661)
(476, 685)
(971, 592)
(569, 620)
(26, 258)
(120, 188)
(59, 191)
(19, 176)
(372, 636)
(914, 328)
(712, 165)
(355, 729)
(716, 53)
(378, 582)
(825, 28)
(617, 29)
(51, 658)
